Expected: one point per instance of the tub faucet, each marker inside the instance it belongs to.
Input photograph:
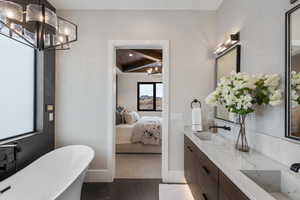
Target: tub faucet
(5, 159)
(14, 146)
(295, 167)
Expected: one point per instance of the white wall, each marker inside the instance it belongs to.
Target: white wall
(81, 85)
(262, 27)
(127, 90)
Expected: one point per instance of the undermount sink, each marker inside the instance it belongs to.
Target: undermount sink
(281, 185)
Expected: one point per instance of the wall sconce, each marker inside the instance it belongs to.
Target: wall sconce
(233, 39)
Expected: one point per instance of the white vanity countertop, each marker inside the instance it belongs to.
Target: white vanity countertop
(230, 161)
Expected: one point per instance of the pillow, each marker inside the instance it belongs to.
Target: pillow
(136, 116)
(119, 118)
(120, 109)
(130, 117)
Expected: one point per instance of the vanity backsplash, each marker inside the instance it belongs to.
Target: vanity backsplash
(279, 149)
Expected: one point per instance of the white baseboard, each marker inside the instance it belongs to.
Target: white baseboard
(174, 177)
(104, 176)
(98, 175)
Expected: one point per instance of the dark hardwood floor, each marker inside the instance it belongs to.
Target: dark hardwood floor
(122, 189)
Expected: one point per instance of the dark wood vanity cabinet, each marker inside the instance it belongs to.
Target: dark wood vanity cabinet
(228, 191)
(204, 178)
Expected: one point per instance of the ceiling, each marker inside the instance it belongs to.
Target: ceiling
(137, 4)
(139, 60)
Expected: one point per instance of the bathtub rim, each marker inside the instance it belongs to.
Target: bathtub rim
(67, 184)
(82, 171)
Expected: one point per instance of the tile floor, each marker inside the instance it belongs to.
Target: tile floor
(122, 189)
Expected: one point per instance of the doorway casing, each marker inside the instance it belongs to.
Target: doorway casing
(137, 44)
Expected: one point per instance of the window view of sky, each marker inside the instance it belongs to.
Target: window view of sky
(147, 90)
(159, 90)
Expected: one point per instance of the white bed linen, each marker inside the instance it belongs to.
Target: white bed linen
(124, 133)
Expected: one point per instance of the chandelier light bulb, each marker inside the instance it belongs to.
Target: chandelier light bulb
(67, 32)
(61, 39)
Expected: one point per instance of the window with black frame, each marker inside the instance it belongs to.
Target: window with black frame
(17, 75)
(149, 96)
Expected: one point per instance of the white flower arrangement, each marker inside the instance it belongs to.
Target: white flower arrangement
(240, 92)
(295, 88)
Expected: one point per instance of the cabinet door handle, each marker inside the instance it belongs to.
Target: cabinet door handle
(204, 196)
(206, 170)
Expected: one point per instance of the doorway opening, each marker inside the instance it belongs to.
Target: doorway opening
(139, 128)
(139, 96)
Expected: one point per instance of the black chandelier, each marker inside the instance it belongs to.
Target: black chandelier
(35, 23)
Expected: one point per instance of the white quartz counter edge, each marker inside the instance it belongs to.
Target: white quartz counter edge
(231, 161)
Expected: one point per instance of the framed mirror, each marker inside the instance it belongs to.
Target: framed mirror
(226, 63)
(292, 87)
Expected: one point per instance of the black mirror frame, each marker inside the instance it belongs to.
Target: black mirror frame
(238, 69)
(288, 73)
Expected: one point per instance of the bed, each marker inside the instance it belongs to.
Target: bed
(146, 130)
(123, 133)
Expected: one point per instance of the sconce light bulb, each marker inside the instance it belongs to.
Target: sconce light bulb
(9, 14)
(228, 42)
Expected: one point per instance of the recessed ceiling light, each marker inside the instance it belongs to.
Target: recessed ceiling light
(130, 54)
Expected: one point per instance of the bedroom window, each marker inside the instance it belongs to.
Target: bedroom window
(150, 96)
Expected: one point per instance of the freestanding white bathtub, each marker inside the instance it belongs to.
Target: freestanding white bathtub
(58, 175)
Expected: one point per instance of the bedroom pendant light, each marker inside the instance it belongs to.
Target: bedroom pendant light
(36, 25)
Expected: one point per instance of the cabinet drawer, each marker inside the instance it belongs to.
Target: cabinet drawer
(229, 191)
(209, 187)
(190, 168)
(207, 166)
(201, 174)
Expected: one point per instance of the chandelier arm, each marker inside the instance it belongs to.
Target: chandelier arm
(15, 32)
(17, 40)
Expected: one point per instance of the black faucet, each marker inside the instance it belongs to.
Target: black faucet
(4, 161)
(226, 128)
(295, 167)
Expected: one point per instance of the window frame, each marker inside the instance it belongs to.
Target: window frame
(35, 55)
(154, 96)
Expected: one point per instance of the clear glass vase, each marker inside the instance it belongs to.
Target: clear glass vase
(242, 143)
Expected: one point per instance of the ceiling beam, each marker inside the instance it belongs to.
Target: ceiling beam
(152, 65)
(136, 64)
(147, 56)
